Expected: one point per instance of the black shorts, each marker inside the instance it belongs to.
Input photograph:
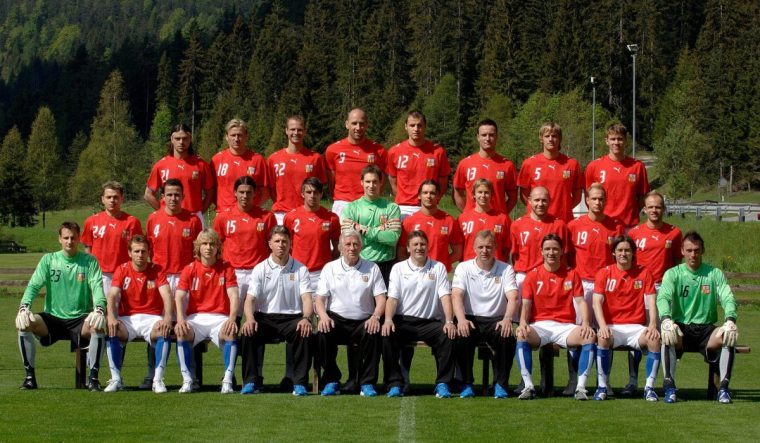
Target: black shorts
(695, 338)
(63, 329)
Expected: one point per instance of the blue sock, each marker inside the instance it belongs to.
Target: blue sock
(603, 366)
(585, 363)
(185, 357)
(653, 365)
(115, 360)
(525, 362)
(230, 355)
(163, 345)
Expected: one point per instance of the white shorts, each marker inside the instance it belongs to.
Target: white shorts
(280, 216)
(243, 275)
(588, 295)
(140, 325)
(406, 211)
(206, 325)
(627, 335)
(550, 331)
(338, 207)
(107, 279)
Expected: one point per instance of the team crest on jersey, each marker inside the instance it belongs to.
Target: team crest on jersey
(567, 285)
(497, 229)
(80, 276)
(430, 162)
(292, 277)
(260, 226)
(186, 232)
(632, 178)
(309, 168)
(431, 276)
(705, 289)
(195, 175)
(499, 175)
(444, 230)
(151, 284)
(638, 284)
(365, 278)
(609, 239)
(251, 170)
(371, 158)
(668, 244)
(221, 281)
(565, 174)
(497, 280)
(383, 219)
(326, 226)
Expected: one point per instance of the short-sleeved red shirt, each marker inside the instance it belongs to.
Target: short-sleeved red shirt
(171, 238)
(441, 230)
(244, 235)
(657, 249)
(287, 173)
(624, 293)
(498, 170)
(347, 160)
(471, 222)
(108, 238)
(591, 244)
(561, 176)
(552, 293)
(313, 234)
(194, 173)
(526, 236)
(229, 167)
(411, 165)
(207, 287)
(625, 182)
(139, 290)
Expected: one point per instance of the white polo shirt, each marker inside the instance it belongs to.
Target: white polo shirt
(418, 289)
(351, 290)
(278, 289)
(485, 291)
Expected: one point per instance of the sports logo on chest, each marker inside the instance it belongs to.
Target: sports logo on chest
(565, 174)
(186, 232)
(497, 229)
(260, 226)
(151, 284)
(251, 170)
(365, 278)
(195, 175)
(444, 230)
(632, 178)
(668, 244)
(638, 284)
(245, 219)
(80, 276)
(326, 226)
(567, 285)
(125, 233)
(430, 162)
(705, 289)
(370, 158)
(309, 168)
(499, 175)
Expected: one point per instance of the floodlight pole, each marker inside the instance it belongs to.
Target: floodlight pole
(634, 49)
(593, 118)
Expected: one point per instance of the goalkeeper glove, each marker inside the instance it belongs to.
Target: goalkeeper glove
(24, 318)
(97, 319)
(670, 332)
(729, 332)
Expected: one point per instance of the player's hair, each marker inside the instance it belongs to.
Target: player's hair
(618, 129)
(416, 234)
(315, 183)
(71, 226)
(244, 180)
(694, 237)
(487, 122)
(356, 109)
(482, 182)
(548, 195)
(114, 186)
(486, 234)
(598, 186)
(372, 169)
(551, 237)
(295, 117)
(236, 123)
(278, 230)
(177, 128)
(205, 235)
(173, 182)
(351, 233)
(139, 239)
(551, 128)
(655, 194)
(429, 182)
(416, 114)
(624, 239)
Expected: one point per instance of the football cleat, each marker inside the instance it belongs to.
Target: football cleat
(629, 390)
(395, 391)
(368, 391)
(527, 394)
(146, 384)
(724, 396)
(467, 392)
(300, 391)
(227, 388)
(600, 394)
(650, 394)
(248, 388)
(442, 391)
(94, 385)
(580, 394)
(30, 382)
(670, 395)
(159, 387)
(499, 392)
(187, 387)
(330, 389)
(114, 386)
(570, 388)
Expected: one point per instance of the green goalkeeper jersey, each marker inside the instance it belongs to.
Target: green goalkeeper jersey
(73, 285)
(692, 297)
(379, 244)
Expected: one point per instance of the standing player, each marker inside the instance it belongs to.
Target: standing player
(419, 297)
(481, 217)
(618, 291)
(553, 170)
(443, 233)
(207, 302)
(413, 161)
(549, 294)
(687, 304)
(488, 164)
(350, 302)
(74, 306)
(346, 159)
(290, 166)
(484, 293)
(107, 233)
(139, 305)
(278, 305)
(236, 161)
(182, 163)
(623, 177)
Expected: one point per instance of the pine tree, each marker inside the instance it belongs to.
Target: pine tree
(43, 161)
(442, 115)
(190, 79)
(16, 200)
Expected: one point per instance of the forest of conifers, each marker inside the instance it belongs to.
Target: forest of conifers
(89, 88)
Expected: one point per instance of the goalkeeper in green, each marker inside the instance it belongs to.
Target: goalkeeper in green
(688, 306)
(74, 305)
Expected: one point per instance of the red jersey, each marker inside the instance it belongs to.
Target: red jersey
(411, 165)
(471, 222)
(313, 234)
(108, 238)
(244, 235)
(498, 170)
(591, 244)
(346, 161)
(171, 238)
(207, 287)
(287, 173)
(552, 293)
(229, 167)
(657, 249)
(625, 182)
(526, 236)
(194, 173)
(139, 290)
(624, 293)
(561, 176)
(441, 230)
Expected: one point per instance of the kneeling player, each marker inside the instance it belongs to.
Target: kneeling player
(619, 294)
(207, 304)
(548, 294)
(139, 305)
